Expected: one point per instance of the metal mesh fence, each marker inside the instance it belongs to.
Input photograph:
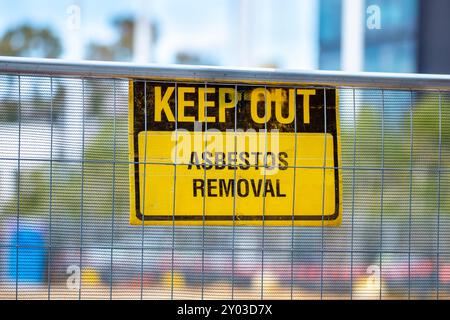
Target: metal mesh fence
(64, 206)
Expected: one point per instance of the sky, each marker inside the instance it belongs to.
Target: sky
(204, 27)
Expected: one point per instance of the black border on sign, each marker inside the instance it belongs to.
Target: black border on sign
(247, 217)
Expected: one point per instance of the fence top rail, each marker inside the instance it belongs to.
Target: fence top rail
(100, 69)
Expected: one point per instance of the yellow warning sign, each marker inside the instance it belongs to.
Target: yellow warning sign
(233, 155)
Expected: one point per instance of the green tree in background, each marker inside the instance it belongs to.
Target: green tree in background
(26, 40)
(29, 41)
(122, 49)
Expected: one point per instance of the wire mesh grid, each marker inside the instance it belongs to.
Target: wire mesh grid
(64, 206)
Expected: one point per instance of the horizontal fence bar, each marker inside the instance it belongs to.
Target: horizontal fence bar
(272, 249)
(97, 69)
(124, 162)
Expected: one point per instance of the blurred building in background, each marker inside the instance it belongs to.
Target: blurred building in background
(434, 45)
(408, 37)
(369, 35)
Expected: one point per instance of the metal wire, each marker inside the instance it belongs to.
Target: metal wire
(323, 187)
(353, 194)
(293, 201)
(439, 194)
(174, 193)
(212, 248)
(143, 188)
(382, 193)
(50, 191)
(82, 188)
(233, 232)
(18, 194)
(266, 142)
(205, 141)
(113, 200)
(410, 191)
